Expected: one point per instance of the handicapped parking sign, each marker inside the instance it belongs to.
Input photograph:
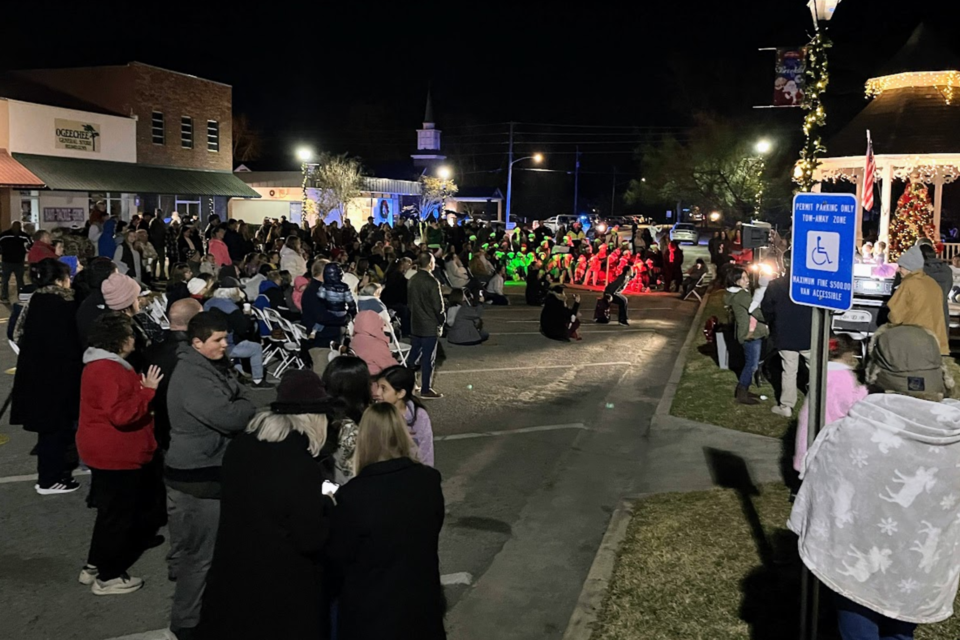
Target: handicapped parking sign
(824, 244)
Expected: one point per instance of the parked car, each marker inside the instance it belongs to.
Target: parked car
(556, 222)
(685, 232)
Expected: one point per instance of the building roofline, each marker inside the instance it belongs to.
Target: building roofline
(180, 73)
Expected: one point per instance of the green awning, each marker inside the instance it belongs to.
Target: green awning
(75, 174)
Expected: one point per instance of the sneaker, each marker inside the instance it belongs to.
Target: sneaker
(781, 410)
(88, 574)
(263, 384)
(117, 586)
(625, 323)
(430, 394)
(67, 485)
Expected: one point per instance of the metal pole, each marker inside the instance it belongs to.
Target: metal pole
(509, 175)
(819, 356)
(576, 185)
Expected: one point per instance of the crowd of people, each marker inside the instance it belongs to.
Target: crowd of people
(876, 506)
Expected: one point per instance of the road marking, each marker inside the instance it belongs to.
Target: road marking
(591, 333)
(33, 477)
(551, 366)
(461, 577)
(490, 434)
(158, 634)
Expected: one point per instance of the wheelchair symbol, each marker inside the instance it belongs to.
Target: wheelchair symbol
(819, 256)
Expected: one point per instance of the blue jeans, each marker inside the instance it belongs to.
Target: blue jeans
(859, 623)
(252, 350)
(424, 350)
(751, 357)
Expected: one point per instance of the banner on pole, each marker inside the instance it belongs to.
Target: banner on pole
(788, 85)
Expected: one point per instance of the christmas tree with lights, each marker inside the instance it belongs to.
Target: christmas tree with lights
(914, 214)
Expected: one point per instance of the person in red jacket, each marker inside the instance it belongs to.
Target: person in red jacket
(42, 248)
(218, 248)
(115, 438)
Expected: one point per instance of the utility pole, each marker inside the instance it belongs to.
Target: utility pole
(613, 191)
(510, 174)
(576, 185)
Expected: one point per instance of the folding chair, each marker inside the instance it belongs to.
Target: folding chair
(158, 311)
(289, 348)
(693, 291)
(397, 348)
(270, 346)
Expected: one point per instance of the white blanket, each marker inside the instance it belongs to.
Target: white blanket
(878, 514)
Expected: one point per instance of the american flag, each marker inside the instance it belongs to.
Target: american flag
(868, 173)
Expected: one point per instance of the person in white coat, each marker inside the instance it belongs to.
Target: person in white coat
(290, 258)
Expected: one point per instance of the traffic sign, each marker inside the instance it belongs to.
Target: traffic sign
(824, 244)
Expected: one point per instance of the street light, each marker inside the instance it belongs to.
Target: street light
(444, 173)
(822, 10)
(763, 147)
(304, 154)
(538, 158)
(715, 216)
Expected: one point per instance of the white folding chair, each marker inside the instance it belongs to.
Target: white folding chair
(290, 346)
(693, 291)
(158, 311)
(397, 348)
(270, 346)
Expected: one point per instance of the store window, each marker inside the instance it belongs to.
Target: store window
(157, 128)
(213, 136)
(186, 132)
(30, 206)
(188, 207)
(114, 202)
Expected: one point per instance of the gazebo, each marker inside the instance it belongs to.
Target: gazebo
(914, 120)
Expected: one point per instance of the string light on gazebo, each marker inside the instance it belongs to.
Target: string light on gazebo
(944, 81)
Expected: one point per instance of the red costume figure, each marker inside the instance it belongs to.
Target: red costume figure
(581, 272)
(593, 272)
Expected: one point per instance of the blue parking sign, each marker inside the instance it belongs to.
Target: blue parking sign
(824, 243)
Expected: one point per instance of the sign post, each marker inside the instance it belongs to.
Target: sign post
(821, 276)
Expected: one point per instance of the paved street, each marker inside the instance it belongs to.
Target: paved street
(538, 442)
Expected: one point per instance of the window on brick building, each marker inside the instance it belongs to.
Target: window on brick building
(157, 128)
(213, 135)
(186, 132)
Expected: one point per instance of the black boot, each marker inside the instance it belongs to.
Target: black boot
(743, 397)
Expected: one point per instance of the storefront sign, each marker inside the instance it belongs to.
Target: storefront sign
(77, 136)
(64, 214)
(788, 87)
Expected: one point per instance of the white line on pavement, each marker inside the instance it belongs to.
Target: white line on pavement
(510, 432)
(552, 366)
(158, 634)
(537, 333)
(33, 477)
(461, 577)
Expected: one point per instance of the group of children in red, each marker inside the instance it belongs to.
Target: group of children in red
(650, 268)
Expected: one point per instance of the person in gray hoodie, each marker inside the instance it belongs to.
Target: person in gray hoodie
(207, 407)
(939, 271)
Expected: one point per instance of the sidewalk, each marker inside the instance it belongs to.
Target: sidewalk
(680, 456)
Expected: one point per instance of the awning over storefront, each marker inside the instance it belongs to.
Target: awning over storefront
(14, 174)
(73, 174)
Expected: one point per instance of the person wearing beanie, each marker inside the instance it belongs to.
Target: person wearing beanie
(275, 513)
(121, 293)
(877, 511)
(919, 300)
(93, 306)
(199, 286)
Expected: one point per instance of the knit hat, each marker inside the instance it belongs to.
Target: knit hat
(906, 359)
(301, 391)
(912, 259)
(119, 291)
(196, 285)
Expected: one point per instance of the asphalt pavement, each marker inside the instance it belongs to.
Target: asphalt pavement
(538, 442)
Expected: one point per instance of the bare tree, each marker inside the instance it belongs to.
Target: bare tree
(338, 179)
(433, 192)
(246, 140)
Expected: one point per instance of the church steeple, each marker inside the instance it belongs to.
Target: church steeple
(428, 140)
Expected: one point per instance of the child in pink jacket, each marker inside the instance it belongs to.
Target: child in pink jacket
(843, 391)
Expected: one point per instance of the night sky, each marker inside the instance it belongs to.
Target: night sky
(353, 77)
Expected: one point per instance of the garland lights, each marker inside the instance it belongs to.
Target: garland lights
(818, 78)
(946, 82)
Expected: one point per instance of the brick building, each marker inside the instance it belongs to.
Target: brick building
(181, 122)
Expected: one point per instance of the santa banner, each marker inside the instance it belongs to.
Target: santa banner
(788, 86)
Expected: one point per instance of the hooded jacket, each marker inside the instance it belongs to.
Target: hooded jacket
(116, 425)
(919, 301)
(426, 305)
(464, 322)
(207, 407)
(270, 297)
(421, 430)
(942, 274)
(556, 317)
(106, 245)
(370, 343)
(739, 301)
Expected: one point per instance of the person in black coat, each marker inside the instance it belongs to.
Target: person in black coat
(557, 320)
(536, 289)
(383, 546)
(790, 326)
(164, 355)
(274, 521)
(46, 386)
(93, 306)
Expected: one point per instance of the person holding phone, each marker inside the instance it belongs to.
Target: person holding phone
(274, 520)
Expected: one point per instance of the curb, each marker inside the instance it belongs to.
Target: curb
(584, 617)
(666, 400)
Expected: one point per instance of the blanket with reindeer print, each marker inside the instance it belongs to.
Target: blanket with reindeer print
(878, 514)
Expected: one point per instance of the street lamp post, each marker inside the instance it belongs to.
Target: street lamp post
(444, 173)
(762, 148)
(305, 156)
(536, 158)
